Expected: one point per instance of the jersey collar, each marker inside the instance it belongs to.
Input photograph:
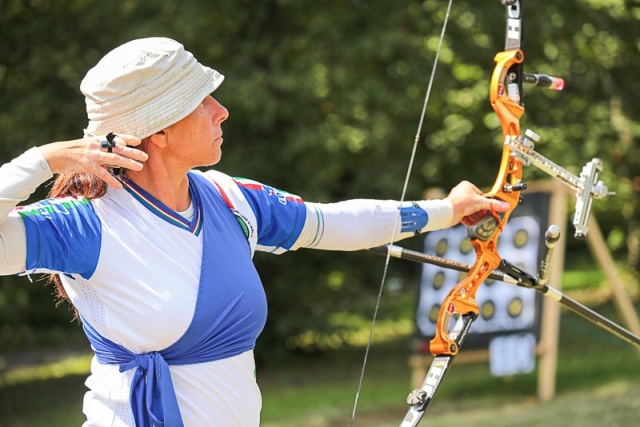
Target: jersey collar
(162, 211)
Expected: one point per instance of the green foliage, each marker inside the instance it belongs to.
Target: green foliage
(324, 100)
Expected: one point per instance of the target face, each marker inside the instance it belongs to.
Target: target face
(502, 307)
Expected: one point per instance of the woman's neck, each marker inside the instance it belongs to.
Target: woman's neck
(167, 185)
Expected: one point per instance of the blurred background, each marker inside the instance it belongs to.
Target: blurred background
(324, 100)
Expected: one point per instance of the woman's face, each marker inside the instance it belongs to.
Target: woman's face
(197, 139)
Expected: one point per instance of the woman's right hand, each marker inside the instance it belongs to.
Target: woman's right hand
(88, 155)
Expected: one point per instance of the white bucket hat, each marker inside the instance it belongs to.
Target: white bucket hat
(144, 86)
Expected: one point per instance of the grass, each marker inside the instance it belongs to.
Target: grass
(598, 384)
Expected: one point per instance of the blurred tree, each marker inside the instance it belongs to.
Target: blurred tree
(324, 100)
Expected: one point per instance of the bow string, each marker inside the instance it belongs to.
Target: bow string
(401, 201)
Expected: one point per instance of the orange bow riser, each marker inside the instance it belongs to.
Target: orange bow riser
(486, 230)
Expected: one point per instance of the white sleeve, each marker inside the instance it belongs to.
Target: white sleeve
(362, 224)
(18, 180)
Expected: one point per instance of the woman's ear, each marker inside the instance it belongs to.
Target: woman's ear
(159, 139)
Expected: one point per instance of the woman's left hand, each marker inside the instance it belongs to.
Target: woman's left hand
(467, 200)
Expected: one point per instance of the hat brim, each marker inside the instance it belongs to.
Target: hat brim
(169, 107)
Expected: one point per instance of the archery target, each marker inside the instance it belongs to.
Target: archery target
(503, 308)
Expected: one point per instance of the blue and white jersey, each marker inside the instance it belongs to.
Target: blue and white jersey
(132, 266)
